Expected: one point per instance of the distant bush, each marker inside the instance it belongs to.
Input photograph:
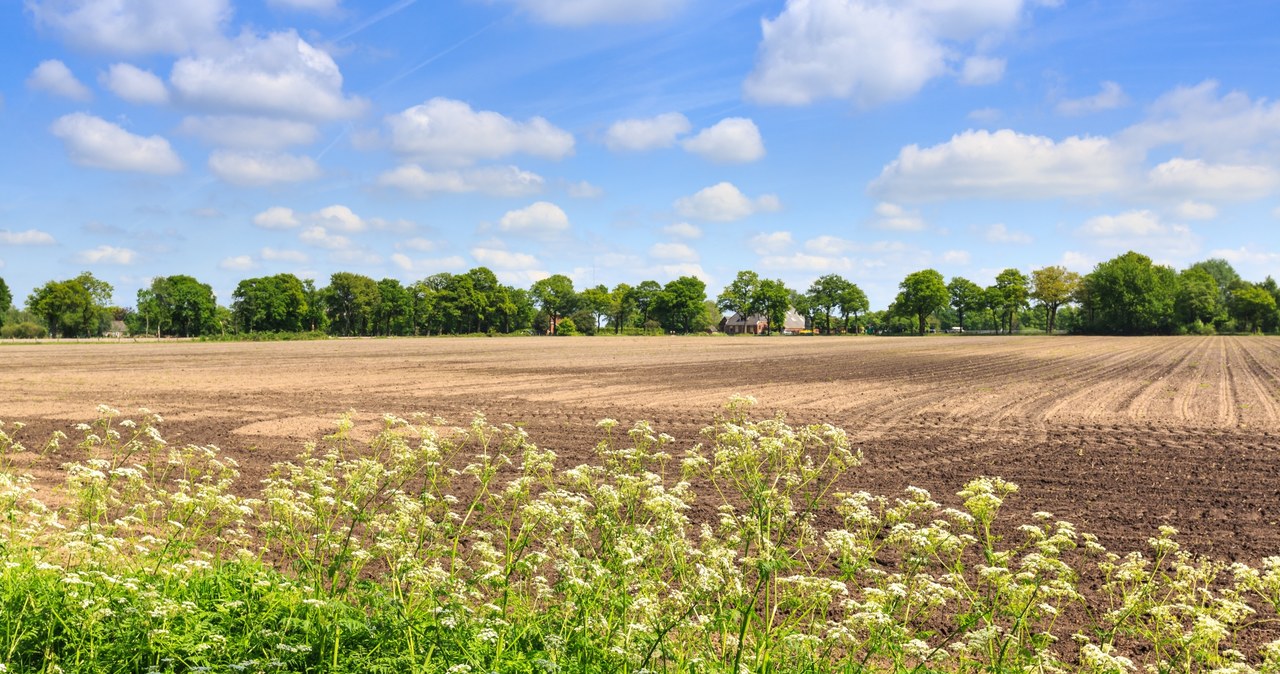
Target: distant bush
(566, 328)
(267, 337)
(24, 330)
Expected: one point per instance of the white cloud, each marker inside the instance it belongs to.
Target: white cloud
(807, 262)
(1230, 128)
(1195, 177)
(1076, 260)
(249, 133)
(260, 169)
(1110, 97)
(107, 255)
(280, 74)
(499, 181)
(1141, 230)
(871, 51)
(134, 26)
(735, 140)
(896, 218)
(356, 256)
(54, 77)
(448, 132)
(1005, 164)
(1250, 256)
(724, 202)
(95, 142)
(419, 244)
(504, 259)
(673, 251)
(982, 70)
(321, 238)
(683, 230)
(338, 217)
(134, 84)
(427, 265)
(771, 243)
(638, 135)
(283, 255)
(1195, 210)
(237, 263)
(276, 217)
(956, 257)
(317, 6)
(542, 217)
(584, 190)
(584, 12)
(1000, 233)
(30, 237)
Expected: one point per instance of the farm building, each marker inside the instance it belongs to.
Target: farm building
(756, 324)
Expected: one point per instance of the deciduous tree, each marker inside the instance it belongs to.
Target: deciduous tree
(922, 293)
(1053, 287)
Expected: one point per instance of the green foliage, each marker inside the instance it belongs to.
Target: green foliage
(177, 305)
(277, 303)
(23, 330)
(1129, 295)
(6, 300)
(775, 302)
(679, 306)
(1053, 287)
(566, 328)
(437, 550)
(742, 295)
(555, 295)
(72, 308)
(965, 296)
(922, 293)
(1198, 299)
(1251, 306)
(351, 302)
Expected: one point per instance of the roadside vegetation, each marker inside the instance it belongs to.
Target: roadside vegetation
(436, 549)
(1127, 295)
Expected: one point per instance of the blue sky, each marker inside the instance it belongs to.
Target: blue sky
(616, 140)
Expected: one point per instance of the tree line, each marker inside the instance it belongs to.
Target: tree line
(1128, 294)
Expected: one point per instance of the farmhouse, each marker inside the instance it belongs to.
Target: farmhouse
(756, 324)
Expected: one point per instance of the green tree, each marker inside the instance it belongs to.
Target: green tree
(6, 300)
(313, 316)
(1013, 289)
(622, 304)
(922, 293)
(392, 312)
(851, 303)
(824, 296)
(62, 305)
(1197, 298)
(774, 300)
(1053, 287)
(1251, 305)
(965, 296)
(1223, 274)
(742, 295)
(555, 296)
(644, 294)
(597, 301)
(350, 301)
(1129, 295)
(276, 303)
(680, 304)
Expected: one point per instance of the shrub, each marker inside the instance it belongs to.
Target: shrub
(24, 330)
(566, 327)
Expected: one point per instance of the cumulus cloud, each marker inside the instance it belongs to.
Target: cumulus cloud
(237, 263)
(735, 140)
(1223, 181)
(683, 230)
(449, 132)
(1195, 210)
(133, 26)
(30, 237)
(1110, 97)
(499, 258)
(284, 255)
(499, 181)
(261, 169)
(542, 217)
(673, 251)
(982, 70)
(1000, 233)
(95, 142)
(724, 202)
(338, 217)
(1222, 128)
(652, 133)
(1141, 230)
(277, 75)
(277, 217)
(896, 218)
(54, 77)
(771, 243)
(134, 84)
(107, 255)
(321, 238)
(429, 265)
(243, 132)
(873, 51)
(585, 12)
(1005, 164)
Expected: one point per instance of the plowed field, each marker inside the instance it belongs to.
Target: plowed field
(1119, 435)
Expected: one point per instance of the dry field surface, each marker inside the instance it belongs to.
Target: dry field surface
(1119, 435)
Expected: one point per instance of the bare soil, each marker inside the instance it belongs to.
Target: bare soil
(1119, 435)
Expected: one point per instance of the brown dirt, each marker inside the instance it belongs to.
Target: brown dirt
(1118, 435)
